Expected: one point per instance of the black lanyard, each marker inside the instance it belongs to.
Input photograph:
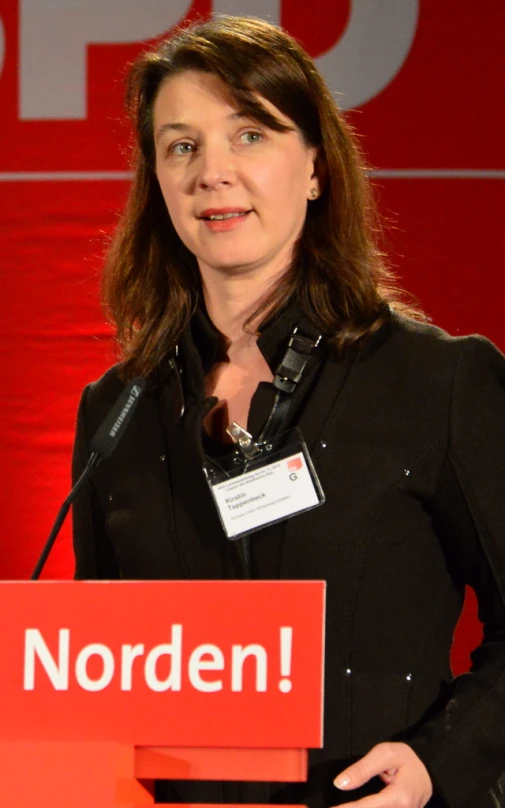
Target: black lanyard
(287, 377)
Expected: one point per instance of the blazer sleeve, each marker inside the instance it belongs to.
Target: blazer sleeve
(94, 553)
(463, 746)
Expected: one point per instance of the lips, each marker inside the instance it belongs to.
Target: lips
(222, 214)
(224, 223)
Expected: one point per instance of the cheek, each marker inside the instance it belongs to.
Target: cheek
(173, 200)
(283, 181)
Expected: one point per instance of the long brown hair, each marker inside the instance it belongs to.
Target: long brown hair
(338, 274)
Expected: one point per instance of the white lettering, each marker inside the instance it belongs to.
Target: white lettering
(267, 9)
(360, 65)
(56, 35)
(56, 671)
(81, 672)
(128, 654)
(239, 655)
(197, 664)
(174, 650)
(162, 669)
(371, 51)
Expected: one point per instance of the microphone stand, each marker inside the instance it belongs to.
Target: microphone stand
(102, 445)
(93, 461)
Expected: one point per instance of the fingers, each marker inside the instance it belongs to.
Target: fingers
(408, 783)
(383, 758)
(388, 776)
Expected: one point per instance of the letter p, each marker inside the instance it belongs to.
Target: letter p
(54, 36)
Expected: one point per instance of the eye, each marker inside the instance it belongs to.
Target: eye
(251, 136)
(181, 148)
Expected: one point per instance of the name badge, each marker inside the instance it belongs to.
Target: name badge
(277, 484)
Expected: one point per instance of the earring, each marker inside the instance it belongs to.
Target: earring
(313, 193)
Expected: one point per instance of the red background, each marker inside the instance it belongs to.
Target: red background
(443, 110)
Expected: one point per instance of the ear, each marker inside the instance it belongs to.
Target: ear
(317, 180)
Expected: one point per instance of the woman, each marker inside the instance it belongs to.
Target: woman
(249, 217)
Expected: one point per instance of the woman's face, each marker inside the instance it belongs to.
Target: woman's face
(213, 161)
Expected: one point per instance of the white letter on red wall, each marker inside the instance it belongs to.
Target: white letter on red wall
(128, 654)
(81, 667)
(239, 655)
(172, 650)
(53, 46)
(35, 646)
(197, 664)
(371, 51)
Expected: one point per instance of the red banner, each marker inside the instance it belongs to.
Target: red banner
(237, 664)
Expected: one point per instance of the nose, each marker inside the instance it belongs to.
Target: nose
(216, 166)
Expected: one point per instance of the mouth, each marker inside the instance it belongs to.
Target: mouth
(223, 215)
(224, 221)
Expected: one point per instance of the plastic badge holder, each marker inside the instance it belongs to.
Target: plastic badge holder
(278, 482)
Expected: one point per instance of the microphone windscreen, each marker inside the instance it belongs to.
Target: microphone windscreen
(113, 427)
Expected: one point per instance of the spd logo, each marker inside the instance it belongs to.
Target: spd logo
(63, 61)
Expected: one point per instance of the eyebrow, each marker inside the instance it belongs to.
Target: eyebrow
(185, 127)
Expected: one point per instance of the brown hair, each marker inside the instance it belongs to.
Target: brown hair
(338, 274)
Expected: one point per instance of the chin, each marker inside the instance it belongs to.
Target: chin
(231, 263)
(234, 267)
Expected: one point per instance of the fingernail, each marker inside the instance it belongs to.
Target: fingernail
(342, 781)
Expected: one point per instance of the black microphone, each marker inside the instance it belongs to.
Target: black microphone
(105, 440)
(109, 433)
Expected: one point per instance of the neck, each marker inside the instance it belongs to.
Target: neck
(231, 299)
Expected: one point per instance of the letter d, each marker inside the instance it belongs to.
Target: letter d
(174, 650)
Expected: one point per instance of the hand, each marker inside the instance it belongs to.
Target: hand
(408, 784)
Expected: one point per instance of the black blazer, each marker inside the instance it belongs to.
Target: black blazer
(408, 439)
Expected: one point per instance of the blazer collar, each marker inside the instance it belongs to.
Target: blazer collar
(202, 340)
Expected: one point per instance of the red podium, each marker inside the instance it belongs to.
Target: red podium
(106, 686)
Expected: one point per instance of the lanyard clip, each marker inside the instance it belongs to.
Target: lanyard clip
(244, 440)
(292, 367)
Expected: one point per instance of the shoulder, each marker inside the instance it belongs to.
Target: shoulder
(420, 365)
(98, 397)
(427, 347)
(106, 388)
